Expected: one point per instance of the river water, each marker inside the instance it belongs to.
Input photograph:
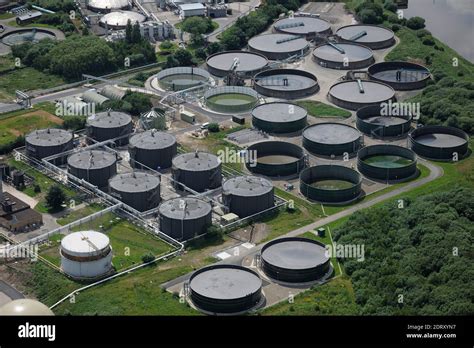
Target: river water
(451, 21)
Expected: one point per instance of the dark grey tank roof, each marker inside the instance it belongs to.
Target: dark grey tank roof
(184, 208)
(247, 186)
(93, 159)
(278, 43)
(196, 161)
(373, 91)
(353, 52)
(49, 137)
(112, 119)
(152, 140)
(279, 112)
(374, 33)
(310, 24)
(331, 133)
(134, 182)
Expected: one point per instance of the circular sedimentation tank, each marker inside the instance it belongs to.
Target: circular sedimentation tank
(386, 162)
(139, 190)
(371, 121)
(373, 36)
(225, 289)
(119, 19)
(177, 79)
(295, 260)
(93, 166)
(343, 56)
(286, 83)
(185, 217)
(110, 125)
(199, 171)
(279, 117)
(231, 99)
(104, 6)
(330, 184)
(25, 307)
(20, 36)
(355, 94)
(331, 139)
(303, 25)
(275, 158)
(279, 46)
(401, 76)
(152, 149)
(43, 143)
(439, 142)
(247, 195)
(248, 63)
(86, 255)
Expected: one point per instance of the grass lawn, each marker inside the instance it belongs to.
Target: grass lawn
(75, 215)
(319, 109)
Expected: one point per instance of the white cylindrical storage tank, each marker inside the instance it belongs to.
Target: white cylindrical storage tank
(86, 255)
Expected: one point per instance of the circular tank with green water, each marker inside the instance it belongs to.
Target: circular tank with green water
(231, 99)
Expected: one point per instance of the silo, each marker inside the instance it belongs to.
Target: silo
(140, 190)
(25, 307)
(199, 171)
(248, 195)
(43, 143)
(153, 149)
(109, 125)
(185, 217)
(86, 255)
(93, 166)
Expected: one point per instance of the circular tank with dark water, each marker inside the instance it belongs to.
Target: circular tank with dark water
(371, 120)
(179, 78)
(286, 83)
(331, 139)
(24, 35)
(401, 76)
(355, 94)
(279, 117)
(343, 56)
(372, 36)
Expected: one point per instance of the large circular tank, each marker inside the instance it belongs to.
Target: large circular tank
(355, 94)
(303, 25)
(25, 307)
(199, 171)
(279, 46)
(386, 162)
(86, 255)
(185, 217)
(248, 63)
(225, 289)
(24, 35)
(439, 142)
(153, 149)
(286, 83)
(275, 158)
(330, 184)
(331, 139)
(119, 19)
(109, 125)
(43, 143)
(279, 117)
(247, 195)
(373, 36)
(231, 99)
(401, 76)
(179, 78)
(371, 121)
(139, 190)
(93, 166)
(343, 56)
(104, 6)
(295, 260)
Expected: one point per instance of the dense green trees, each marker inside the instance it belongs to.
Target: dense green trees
(369, 12)
(55, 198)
(422, 252)
(133, 103)
(416, 23)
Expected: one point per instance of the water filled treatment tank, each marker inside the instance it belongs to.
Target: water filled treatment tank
(93, 166)
(225, 289)
(286, 83)
(231, 99)
(179, 78)
(199, 171)
(371, 120)
(331, 139)
(110, 125)
(247, 195)
(86, 255)
(343, 56)
(401, 76)
(185, 217)
(153, 149)
(139, 190)
(386, 162)
(43, 143)
(330, 184)
(275, 158)
(279, 117)
(439, 142)
(295, 260)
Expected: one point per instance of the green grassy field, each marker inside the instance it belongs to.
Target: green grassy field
(318, 109)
